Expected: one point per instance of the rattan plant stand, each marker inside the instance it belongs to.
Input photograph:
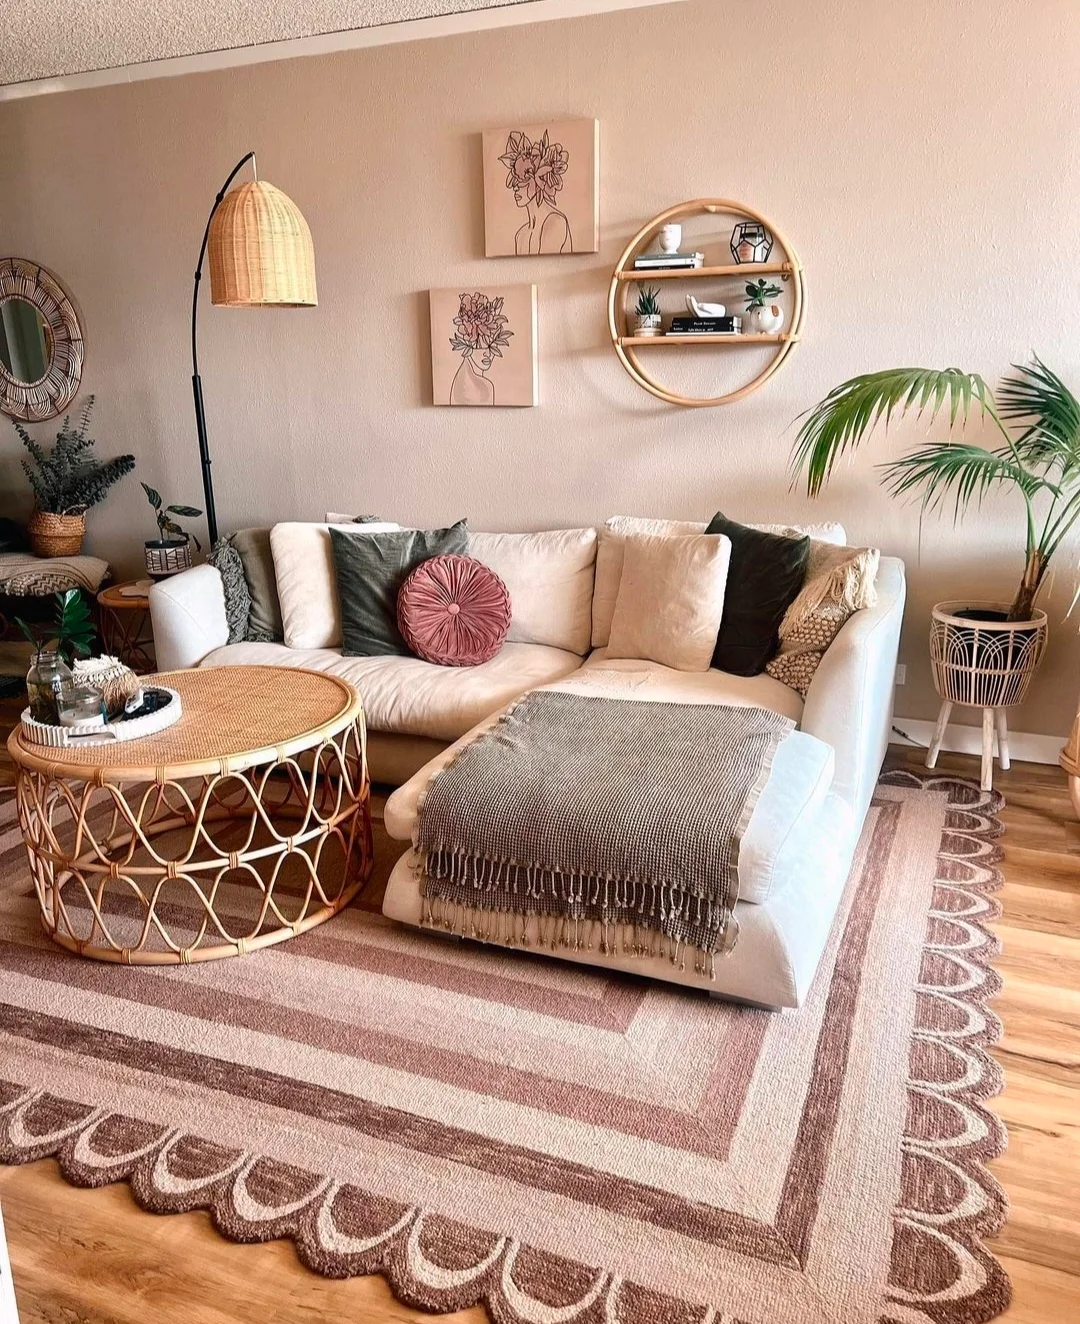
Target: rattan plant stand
(245, 823)
(982, 664)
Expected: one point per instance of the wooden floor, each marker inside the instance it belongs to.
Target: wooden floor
(93, 1257)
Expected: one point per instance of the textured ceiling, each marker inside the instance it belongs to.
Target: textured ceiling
(51, 38)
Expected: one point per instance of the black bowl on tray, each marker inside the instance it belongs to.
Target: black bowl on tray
(153, 700)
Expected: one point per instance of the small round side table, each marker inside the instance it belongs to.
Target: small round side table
(126, 631)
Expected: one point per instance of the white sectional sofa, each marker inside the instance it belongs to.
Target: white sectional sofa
(798, 849)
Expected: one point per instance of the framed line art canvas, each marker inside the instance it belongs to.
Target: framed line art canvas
(483, 346)
(542, 189)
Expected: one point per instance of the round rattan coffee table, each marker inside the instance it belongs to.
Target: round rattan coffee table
(245, 823)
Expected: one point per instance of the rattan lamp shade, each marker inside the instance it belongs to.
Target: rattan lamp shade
(260, 250)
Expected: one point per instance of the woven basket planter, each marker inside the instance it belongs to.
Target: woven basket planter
(55, 535)
(167, 558)
(984, 664)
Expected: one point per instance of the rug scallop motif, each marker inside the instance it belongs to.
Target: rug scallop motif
(562, 1146)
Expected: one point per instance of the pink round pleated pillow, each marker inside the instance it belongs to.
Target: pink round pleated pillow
(454, 611)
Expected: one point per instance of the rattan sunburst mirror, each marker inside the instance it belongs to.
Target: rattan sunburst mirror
(41, 342)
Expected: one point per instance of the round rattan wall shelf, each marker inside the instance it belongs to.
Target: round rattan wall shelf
(51, 393)
(628, 346)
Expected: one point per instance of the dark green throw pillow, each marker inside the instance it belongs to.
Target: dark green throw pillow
(370, 568)
(764, 578)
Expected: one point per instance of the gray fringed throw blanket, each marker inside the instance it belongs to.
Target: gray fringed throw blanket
(609, 821)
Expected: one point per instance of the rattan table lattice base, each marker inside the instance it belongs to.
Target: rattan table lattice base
(244, 824)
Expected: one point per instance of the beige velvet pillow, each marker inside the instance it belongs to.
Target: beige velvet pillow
(671, 599)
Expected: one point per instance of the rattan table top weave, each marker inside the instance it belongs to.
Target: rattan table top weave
(233, 718)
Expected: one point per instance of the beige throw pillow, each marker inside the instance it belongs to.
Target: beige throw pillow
(839, 582)
(671, 599)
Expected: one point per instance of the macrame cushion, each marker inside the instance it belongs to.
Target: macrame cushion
(454, 611)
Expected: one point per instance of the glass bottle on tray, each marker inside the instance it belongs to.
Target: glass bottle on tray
(47, 675)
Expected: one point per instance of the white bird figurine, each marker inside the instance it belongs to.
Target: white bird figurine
(705, 309)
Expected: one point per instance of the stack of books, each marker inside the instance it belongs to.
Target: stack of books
(668, 261)
(705, 326)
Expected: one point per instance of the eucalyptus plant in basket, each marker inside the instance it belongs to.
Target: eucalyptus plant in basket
(1034, 454)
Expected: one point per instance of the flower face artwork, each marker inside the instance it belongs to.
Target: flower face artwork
(483, 346)
(542, 189)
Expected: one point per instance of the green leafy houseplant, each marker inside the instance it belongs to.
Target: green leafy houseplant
(758, 294)
(68, 480)
(166, 524)
(1036, 455)
(70, 631)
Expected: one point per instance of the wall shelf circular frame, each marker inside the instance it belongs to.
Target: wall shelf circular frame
(627, 346)
(54, 391)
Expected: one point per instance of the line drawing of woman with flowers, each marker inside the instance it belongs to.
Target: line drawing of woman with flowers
(481, 333)
(534, 173)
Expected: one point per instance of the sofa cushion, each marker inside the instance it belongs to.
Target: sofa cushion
(307, 591)
(370, 567)
(454, 610)
(253, 546)
(550, 579)
(609, 555)
(405, 696)
(671, 599)
(785, 823)
(766, 574)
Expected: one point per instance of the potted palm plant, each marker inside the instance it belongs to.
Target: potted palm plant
(170, 551)
(66, 482)
(983, 654)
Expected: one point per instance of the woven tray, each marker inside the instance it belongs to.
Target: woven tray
(61, 737)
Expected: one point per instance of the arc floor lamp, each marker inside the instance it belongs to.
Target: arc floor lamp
(261, 256)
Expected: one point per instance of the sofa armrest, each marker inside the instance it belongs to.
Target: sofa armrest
(850, 699)
(188, 616)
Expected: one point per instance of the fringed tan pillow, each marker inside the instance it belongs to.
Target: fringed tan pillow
(839, 582)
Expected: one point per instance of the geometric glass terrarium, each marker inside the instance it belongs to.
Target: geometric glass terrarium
(751, 242)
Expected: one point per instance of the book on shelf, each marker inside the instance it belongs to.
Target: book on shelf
(668, 261)
(705, 326)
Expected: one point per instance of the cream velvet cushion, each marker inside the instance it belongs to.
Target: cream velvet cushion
(306, 583)
(671, 599)
(609, 555)
(549, 576)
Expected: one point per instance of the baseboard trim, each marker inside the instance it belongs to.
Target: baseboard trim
(1025, 746)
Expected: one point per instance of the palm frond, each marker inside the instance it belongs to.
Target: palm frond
(851, 410)
(968, 471)
(1037, 397)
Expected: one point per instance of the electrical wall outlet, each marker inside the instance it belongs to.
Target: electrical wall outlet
(901, 673)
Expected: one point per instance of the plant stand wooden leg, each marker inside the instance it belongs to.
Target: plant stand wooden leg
(939, 733)
(986, 782)
(1003, 739)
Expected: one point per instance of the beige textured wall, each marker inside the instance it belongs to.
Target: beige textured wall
(923, 159)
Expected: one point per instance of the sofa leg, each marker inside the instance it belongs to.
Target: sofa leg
(939, 733)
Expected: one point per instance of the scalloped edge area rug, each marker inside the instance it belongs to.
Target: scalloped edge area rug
(560, 1145)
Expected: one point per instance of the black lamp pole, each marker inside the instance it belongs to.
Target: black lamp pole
(196, 381)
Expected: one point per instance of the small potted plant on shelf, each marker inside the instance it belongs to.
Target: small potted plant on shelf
(766, 317)
(66, 482)
(647, 312)
(170, 551)
(983, 654)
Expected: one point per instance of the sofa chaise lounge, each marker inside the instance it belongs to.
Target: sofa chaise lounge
(798, 849)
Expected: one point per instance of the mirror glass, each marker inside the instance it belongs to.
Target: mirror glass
(25, 340)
